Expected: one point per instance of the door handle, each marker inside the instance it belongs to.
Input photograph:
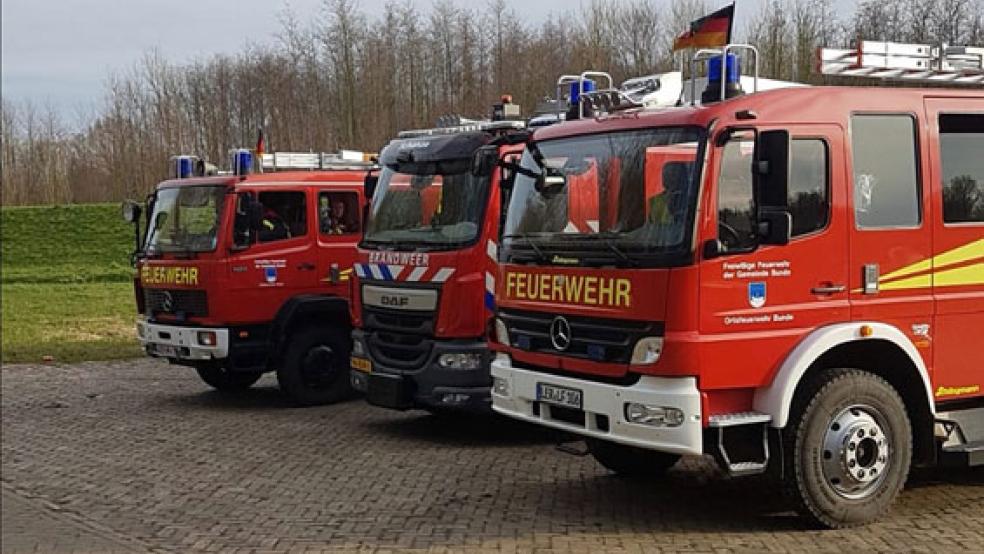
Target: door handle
(305, 266)
(828, 289)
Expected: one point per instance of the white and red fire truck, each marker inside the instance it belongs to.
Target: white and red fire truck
(788, 279)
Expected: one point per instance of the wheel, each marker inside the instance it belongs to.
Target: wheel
(629, 461)
(222, 379)
(315, 368)
(848, 449)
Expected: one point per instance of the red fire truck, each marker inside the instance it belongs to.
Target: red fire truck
(424, 276)
(241, 274)
(791, 280)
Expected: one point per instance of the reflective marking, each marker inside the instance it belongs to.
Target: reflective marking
(376, 273)
(396, 270)
(417, 273)
(360, 270)
(443, 274)
(493, 251)
(384, 269)
(489, 282)
(593, 224)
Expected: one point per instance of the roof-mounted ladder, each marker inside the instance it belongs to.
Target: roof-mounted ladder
(313, 161)
(916, 63)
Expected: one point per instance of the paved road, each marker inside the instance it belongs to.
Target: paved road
(139, 456)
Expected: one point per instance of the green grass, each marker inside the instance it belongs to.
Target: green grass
(67, 290)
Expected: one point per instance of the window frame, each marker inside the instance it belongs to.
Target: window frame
(355, 206)
(828, 189)
(917, 155)
(728, 134)
(306, 211)
(939, 153)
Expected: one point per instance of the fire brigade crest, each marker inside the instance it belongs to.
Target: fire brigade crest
(270, 273)
(756, 294)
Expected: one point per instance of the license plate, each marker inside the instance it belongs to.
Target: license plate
(560, 396)
(361, 364)
(166, 350)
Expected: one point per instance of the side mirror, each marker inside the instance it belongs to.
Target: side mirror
(772, 168)
(131, 211)
(369, 185)
(775, 226)
(484, 161)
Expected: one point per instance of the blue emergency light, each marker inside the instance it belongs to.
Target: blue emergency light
(732, 78)
(183, 167)
(241, 161)
(586, 85)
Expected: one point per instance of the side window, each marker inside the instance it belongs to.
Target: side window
(338, 213)
(809, 190)
(886, 184)
(736, 201)
(284, 215)
(961, 150)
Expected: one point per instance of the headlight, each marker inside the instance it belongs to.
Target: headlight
(460, 361)
(501, 332)
(656, 416)
(207, 338)
(647, 350)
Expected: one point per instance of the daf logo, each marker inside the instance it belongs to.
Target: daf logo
(167, 302)
(560, 333)
(395, 301)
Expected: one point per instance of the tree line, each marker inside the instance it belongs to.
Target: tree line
(344, 78)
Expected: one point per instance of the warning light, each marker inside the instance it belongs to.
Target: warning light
(867, 331)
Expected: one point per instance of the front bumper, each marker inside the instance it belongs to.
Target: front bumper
(181, 343)
(430, 386)
(603, 416)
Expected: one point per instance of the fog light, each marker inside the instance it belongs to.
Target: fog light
(501, 332)
(657, 416)
(647, 350)
(206, 338)
(460, 361)
(500, 386)
(358, 349)
(455, 398)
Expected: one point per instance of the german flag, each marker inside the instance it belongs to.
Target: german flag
(709, 31)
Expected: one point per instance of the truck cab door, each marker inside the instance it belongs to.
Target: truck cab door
(339, 228)
(772, 294)
(956, 179)
(891, 242)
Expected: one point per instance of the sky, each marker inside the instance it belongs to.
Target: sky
(60, 52)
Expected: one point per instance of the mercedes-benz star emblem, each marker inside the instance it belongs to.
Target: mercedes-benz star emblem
(560, 333)
(167, 302)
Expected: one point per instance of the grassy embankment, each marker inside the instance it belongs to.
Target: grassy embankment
(66, 284)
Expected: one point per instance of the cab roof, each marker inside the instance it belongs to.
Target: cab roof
(804, 105)
(345, 177)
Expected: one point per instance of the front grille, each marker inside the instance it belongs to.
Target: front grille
(187, 303)
(399, 338)
(596, 339)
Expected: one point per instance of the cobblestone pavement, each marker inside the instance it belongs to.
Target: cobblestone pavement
(140, 456)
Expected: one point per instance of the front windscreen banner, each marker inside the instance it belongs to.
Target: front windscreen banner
(427, 197)
(622, 198)
(185, 219)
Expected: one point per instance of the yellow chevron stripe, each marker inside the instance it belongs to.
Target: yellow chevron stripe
(961, 276)
(960, 254)
(917, 282)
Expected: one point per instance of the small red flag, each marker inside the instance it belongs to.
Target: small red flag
(260, 146)
(709, 31)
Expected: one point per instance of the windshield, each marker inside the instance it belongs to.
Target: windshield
(185, 219)
(440, 207)
(625, 198)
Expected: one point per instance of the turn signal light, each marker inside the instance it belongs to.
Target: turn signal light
(867, 331)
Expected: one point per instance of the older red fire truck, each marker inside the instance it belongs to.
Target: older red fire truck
(425, 271)
(241, 274)
(788, 279)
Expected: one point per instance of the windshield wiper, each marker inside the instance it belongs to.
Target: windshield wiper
(610, 243)
(541, 256)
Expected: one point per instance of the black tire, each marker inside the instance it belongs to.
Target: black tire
(315, 368)
(222, 379)
(630, 461)
(848, 448)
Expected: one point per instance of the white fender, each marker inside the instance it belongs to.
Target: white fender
(777, 398)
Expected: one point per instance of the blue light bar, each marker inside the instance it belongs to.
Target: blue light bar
(733, 69)
(242, 161)
(576, 87)
(182, 167)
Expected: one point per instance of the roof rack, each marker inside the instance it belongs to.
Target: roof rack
(460, 125)
(313, 161)
(919, 63)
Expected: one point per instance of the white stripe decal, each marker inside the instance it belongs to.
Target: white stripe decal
(395, 271)
(489, 282)
(360, 270)
(593, 224)
(443, 274)
(571, 228)
(417, 273)
(493, 251)
(376, 272)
